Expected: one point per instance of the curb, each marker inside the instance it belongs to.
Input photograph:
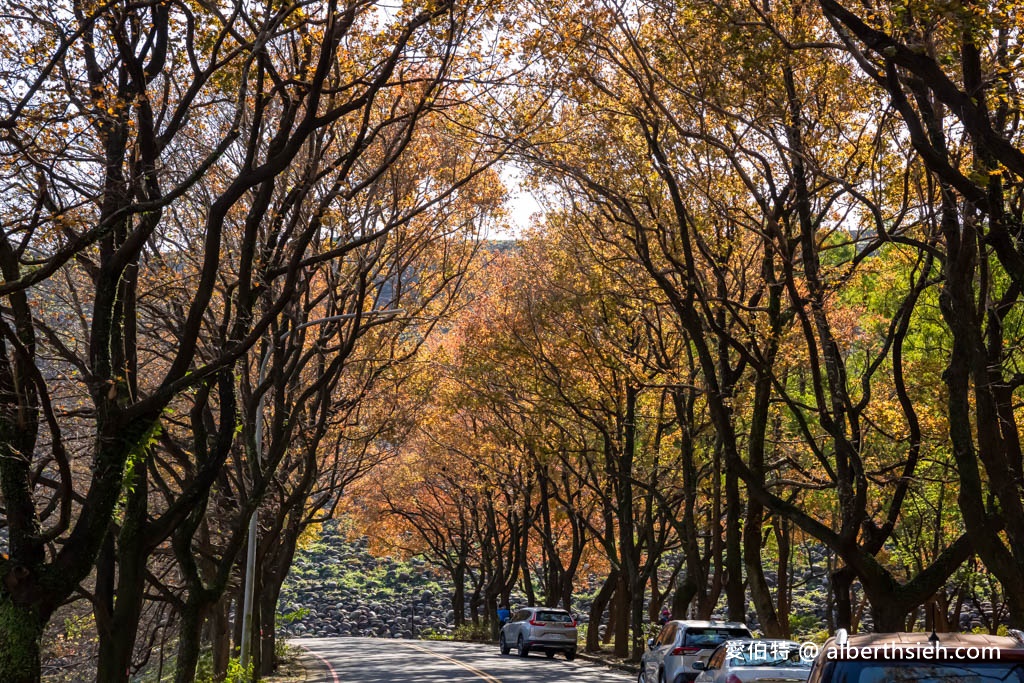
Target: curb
(631, 668)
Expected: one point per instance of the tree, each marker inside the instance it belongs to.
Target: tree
(89, 136)
(727, 206)
(946, 72)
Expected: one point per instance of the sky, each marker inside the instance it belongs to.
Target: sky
(521, 205)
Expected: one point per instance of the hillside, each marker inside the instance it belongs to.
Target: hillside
(338, 588)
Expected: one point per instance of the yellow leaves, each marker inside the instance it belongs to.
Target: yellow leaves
(309, 536)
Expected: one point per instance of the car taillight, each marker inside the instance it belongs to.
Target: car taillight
(684, 651)
(534, 622)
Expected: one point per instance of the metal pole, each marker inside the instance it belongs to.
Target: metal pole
(250, 570)
(250, 560)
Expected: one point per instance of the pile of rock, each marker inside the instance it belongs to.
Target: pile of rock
(336, 588)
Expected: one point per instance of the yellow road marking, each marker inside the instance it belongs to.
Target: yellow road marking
(472, 669)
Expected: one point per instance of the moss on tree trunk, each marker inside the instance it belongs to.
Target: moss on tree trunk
(20, 631)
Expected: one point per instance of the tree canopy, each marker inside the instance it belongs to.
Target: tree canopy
(772, 301)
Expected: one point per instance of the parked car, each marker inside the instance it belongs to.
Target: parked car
(670, 656)
(748, 661)
(540, 628)
(902, 657)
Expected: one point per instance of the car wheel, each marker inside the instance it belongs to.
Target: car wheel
(523, 650)
(502, 645)
(550, 654)
(570, 655)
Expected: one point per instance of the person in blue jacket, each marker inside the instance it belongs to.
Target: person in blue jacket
(504, 614)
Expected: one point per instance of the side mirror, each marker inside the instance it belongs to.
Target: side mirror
(650, 643)
(699, 666)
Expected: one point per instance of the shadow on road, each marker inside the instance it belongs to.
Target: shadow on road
(367, 660)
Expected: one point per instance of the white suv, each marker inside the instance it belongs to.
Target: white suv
(670, 656)
(546, 629)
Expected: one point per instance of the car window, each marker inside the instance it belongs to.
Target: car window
(709, 637)
(766, 653)
(522, 615)
(554, 617)
(932, 672)
(668, 634)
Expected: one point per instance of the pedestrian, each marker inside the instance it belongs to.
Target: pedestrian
(666, 616)
(504, 614)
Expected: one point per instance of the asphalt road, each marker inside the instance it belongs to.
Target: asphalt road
(369, 660)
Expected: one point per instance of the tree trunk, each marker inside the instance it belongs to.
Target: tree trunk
(760, 593)
(735, 595)
(221, 639)
(937, 614)
(459, 595)
(842, 580)
(683, 596)
(858, 614)
(117, 641)
(268, 625)
(276, 563)
(911, 622)
(236, 626)
(20, 632)
(613, 608)
(709, 598)
(528, 586)
(761, 596)
(566, 591)
(831, 606)
(475, 601)
(630, 606)
(782, 588)
(621, 607)
(117, 646)
(256, 642)
(695, 581)
(188, 642)
(491, 613)
(597, 611)
(637, 623)
(889, 617)
(654, 608)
